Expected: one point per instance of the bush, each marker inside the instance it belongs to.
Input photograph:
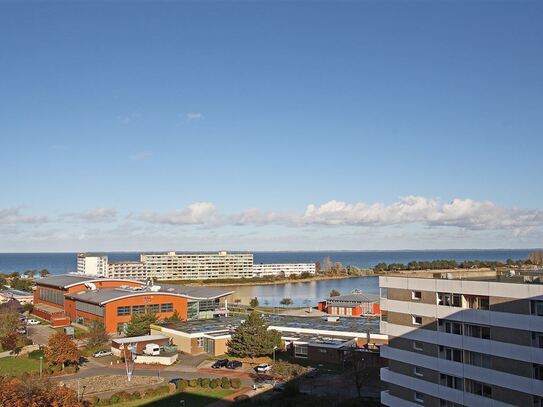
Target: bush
(172, 388)
(104, 402)
(135, 396)
(213, 384)
(193, 383)
(235, 383)
(225, 382)
(161, 390)
(199, 380)
(205, 383)
(242, 398)
(182, 385)
(123, 396)
(94, 401)
(149, 393)
(114, 399)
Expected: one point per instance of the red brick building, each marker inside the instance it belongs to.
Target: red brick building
(351, 305)
(72, 298)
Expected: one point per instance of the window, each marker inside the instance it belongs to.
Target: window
(537, 308)
(477, 359)
(481, 389)
(300, 351)
(477, 331)
(537, 339)
(89, 308)
(123, 311)
(477, 302)
(451, 381)
(416, 295)
(416, 320)
(450, 354)
(417, 371)
(449, 299)
(200, 342)
(419, 397)
(450, 327)
(153, 308)
(138, 309)
(166, 307)
(538, 372)
(418, 346)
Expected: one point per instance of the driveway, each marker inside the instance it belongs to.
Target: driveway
(40, 333)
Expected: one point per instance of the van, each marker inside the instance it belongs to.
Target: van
(151, 349)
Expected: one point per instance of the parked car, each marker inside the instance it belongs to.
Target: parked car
(263, 368)
(279, 387)
(102, 353)
(220, 363)
(21, 330)
(234, 364)
(32, 322)
(312, 373)
(175, 381)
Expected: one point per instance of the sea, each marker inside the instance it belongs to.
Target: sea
(60, 263)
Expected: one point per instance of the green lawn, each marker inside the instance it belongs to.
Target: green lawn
(194, 397)
(18, 365)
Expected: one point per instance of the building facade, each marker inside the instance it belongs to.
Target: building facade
(462, 342)
(92, 264)
(127, 269)
(283, 269)
(351, 305)
(197, 266)
(71, 298)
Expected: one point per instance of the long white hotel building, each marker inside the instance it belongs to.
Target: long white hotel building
(456, 342)
(187, 266)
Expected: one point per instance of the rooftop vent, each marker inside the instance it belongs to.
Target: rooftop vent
(155, 288)
(90, 286)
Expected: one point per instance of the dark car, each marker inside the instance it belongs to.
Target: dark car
(220, 363)
(174, 381)
(233, 364)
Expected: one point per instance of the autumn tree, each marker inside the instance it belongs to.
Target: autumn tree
(536, 257)
(252, 338)
(254, 302)
(286, 301)
(61, 349)
(139, 324)
(36, 392)
(97, 334)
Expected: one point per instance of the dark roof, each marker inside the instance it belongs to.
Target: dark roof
(351, 299)
(104, 295)
(64, 280)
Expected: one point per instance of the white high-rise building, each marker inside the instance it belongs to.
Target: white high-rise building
(283, 269)
(92, 264)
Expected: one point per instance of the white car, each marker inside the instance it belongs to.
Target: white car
(32, 322)
(102, 353)
(263, 367)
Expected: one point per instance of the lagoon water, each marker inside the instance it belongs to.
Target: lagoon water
(299, 292)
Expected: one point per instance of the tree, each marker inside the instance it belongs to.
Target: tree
(61, 350)
(35, 392)
(139, 324)
(30, 273)
(326, 264)
(286, 301)
(174, 318)
(252, 338)
(536, 257)
(97, 334)
(254, 302)
(44, 273)
(359, 370)
(334, 293)
(317, 266)
(8, 322)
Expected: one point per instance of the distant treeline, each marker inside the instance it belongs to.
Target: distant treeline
(533, 259)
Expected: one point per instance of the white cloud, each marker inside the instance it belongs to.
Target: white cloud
(95, 215)
(13, 216)
(194, 116)
(197, 213)
(462, 213)
(140, 156)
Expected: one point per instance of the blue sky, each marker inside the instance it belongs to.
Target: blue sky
(270, 125)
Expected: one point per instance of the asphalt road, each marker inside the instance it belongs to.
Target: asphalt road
(40, 333)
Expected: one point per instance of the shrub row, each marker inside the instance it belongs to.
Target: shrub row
(206, 383)
(124, 396)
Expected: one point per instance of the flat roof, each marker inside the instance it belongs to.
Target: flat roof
(354, 298)
(61, 281)
(357, 325)
(140, 338)
(494, 276)
(15, 292)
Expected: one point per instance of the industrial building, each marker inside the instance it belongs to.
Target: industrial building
(352, 305)
(64, 299)
(463, 339)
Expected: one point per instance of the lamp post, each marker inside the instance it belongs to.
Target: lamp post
(41, 364)
(274, 348)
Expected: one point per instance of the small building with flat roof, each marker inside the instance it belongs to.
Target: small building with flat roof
(352, 305)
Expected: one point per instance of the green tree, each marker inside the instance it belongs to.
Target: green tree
(252, 338)
(254, 302)
(334, 293)
(44, 273)
(286, 301)
(139, 324)
(174, 318)
(97, 334)
(8, 323)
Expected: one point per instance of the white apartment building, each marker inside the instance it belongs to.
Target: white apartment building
(283, 269)
(127, 269)
(92, 264)
(469, 341)
(197, 266)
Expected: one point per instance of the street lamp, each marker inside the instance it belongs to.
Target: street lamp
(275, 347)
(41, 364)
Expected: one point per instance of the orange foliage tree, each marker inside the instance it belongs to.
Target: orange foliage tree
(35, 393)
(61, 349)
